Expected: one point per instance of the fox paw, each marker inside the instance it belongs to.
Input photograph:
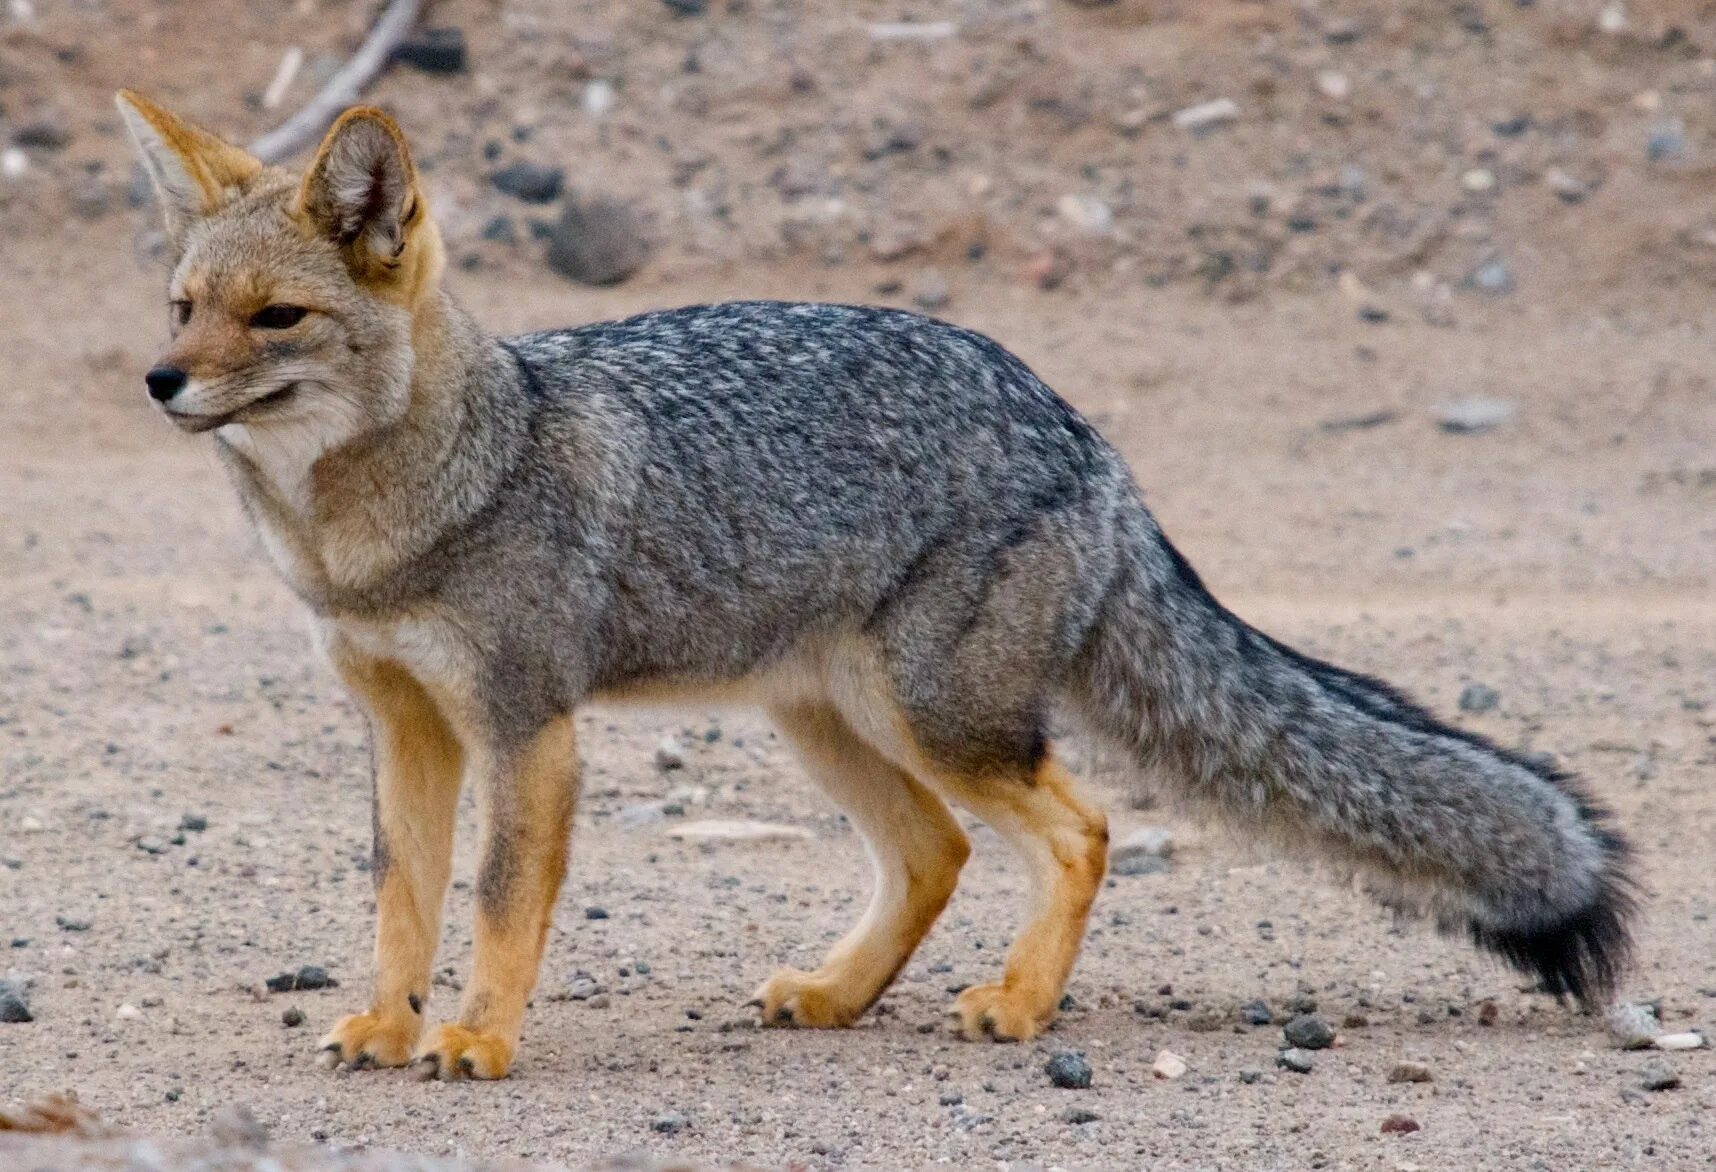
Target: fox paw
(998, 1013)
(456, 1051)
(363, 1041)
(808, 1000)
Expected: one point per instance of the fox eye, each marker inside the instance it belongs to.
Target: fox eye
(181, 311)
(278, 317)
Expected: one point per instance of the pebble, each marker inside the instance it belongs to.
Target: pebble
(14, 1009)
(1478, 698)
(238, 1127)
(531, 182)
(1410, 1072)
(1250, 1076)
(1334, 85)
(1478, 179)
(1256, 1013)
(583, 987)
(46, 133)
(292, 1018)
(596, 242)
(1168, 1065)
(1667, 141)
(737, 830)
(1400, 1125)
(128, 1012)
(1567, 187)
(1658, 1076)
(1309, 1032)
(1686, 1041)
(929, 289)
(501, 230)
(311, 976)
(1144, 851)
(600, 97)
(669, 1123)
(1298, 1061)
(1633, 1025)
(640, 814)
(1206, 115)
(1068, 1070)
(1079, 1115)
(1087, 214)
(1474, 416)
(14, 162)
(433, 50)
(595, 913)
(1493, 277)
(195, 823)
(599, 1001)
(687, 7)
(669, 754)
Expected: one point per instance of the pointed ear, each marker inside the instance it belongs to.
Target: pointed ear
(362, 193)
(194, 172)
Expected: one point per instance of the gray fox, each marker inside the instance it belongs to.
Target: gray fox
(882, 529)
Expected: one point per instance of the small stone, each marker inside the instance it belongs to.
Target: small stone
(1686, 1041)
(1250, 1076)
(1168, 1065)
(501, 230)
(1145, 851)
(596, 242)
(600, 97)
(1488, 1013)
(46, 133)
(14, 161)
(929, 290)
(433, 50)
(595, 913)
(1567, 188)
(687, 7)
(1400, 1125)
(1298, 1061)
(1079, 1115)
(1409, 1072)
(150, 845)
(292, 1018)
(669, 754)
(531, 182)
(237, 1127)
(1256, 1013)
(669, 1123)
(1087, 214)
(1478, 179)
(1474, 416)
(14, 1009)
(1309, 1032)
(1334, 85)
(950, 1098)
(1206, 116)
(583, 987)
(1068, 1070)
(1048, 268)
(1658, 1076)
(90, 198)
(1478, 698)
(311, 976)
(1493, 277)
(128, 1012)
(1667, 141)
(640, 814)
(599, 1001)
(736, 830)
(195, 823)
(1633, 1025)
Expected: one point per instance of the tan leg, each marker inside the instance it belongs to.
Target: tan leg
(917, 850)
(417, 770)
(528, 803)
(1064, 842)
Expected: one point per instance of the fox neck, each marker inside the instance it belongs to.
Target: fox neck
(340, 509)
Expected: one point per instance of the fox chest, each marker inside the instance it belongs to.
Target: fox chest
(423, 646)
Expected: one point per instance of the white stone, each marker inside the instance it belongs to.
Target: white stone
(1168, 1065)
(1334, 85)
(1686, 1041)
(737, 830)
(1206, 114)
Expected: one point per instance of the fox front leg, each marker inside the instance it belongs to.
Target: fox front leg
(527, 797)
(418, 764)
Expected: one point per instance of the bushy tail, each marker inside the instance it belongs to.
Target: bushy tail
(1348, 768)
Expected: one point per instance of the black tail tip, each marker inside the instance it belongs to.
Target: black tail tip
(1583, 956)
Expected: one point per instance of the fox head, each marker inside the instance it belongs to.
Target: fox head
(293, 301)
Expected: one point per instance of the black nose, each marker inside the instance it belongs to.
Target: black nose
(164, 382)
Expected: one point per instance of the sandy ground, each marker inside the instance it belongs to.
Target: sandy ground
(151, 668)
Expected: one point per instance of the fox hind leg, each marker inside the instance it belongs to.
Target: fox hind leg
(1063, 840)
(916, 848)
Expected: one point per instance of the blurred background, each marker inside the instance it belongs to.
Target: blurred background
(1402, 313)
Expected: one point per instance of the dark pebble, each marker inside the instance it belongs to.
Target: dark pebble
(195, 823)
(1068, 1070)
(1309, 1032)
(1256, 1013)
(1298, 1061)
(595, 913)
(311, 976)
(687, 7)
(531, 182)
(70, 925)
(13, 1007)
(1659, 1076)
(1079, 1115)
(1478, 698)
(951, 1099)
(292, 1018)
(434, 50)
(669, 1123)
(46, 134)
(596, 242)
(501, 230)
(1400, 1125)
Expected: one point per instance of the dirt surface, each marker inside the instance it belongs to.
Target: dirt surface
(1280, 407)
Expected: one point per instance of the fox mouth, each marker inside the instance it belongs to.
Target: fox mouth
(196, 424)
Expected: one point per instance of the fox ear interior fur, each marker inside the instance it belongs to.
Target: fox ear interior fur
(194, 172)
(362, 193)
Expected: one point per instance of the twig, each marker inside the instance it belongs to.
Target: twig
(309, 123)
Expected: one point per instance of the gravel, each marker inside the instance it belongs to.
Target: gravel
(531, 182)
(1309, 1032)
(1659, 1076)
(1298, 1061)
(596, 241)
(14, 1007)
(1478, 698)
(309, 977)
(1410, 1072)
